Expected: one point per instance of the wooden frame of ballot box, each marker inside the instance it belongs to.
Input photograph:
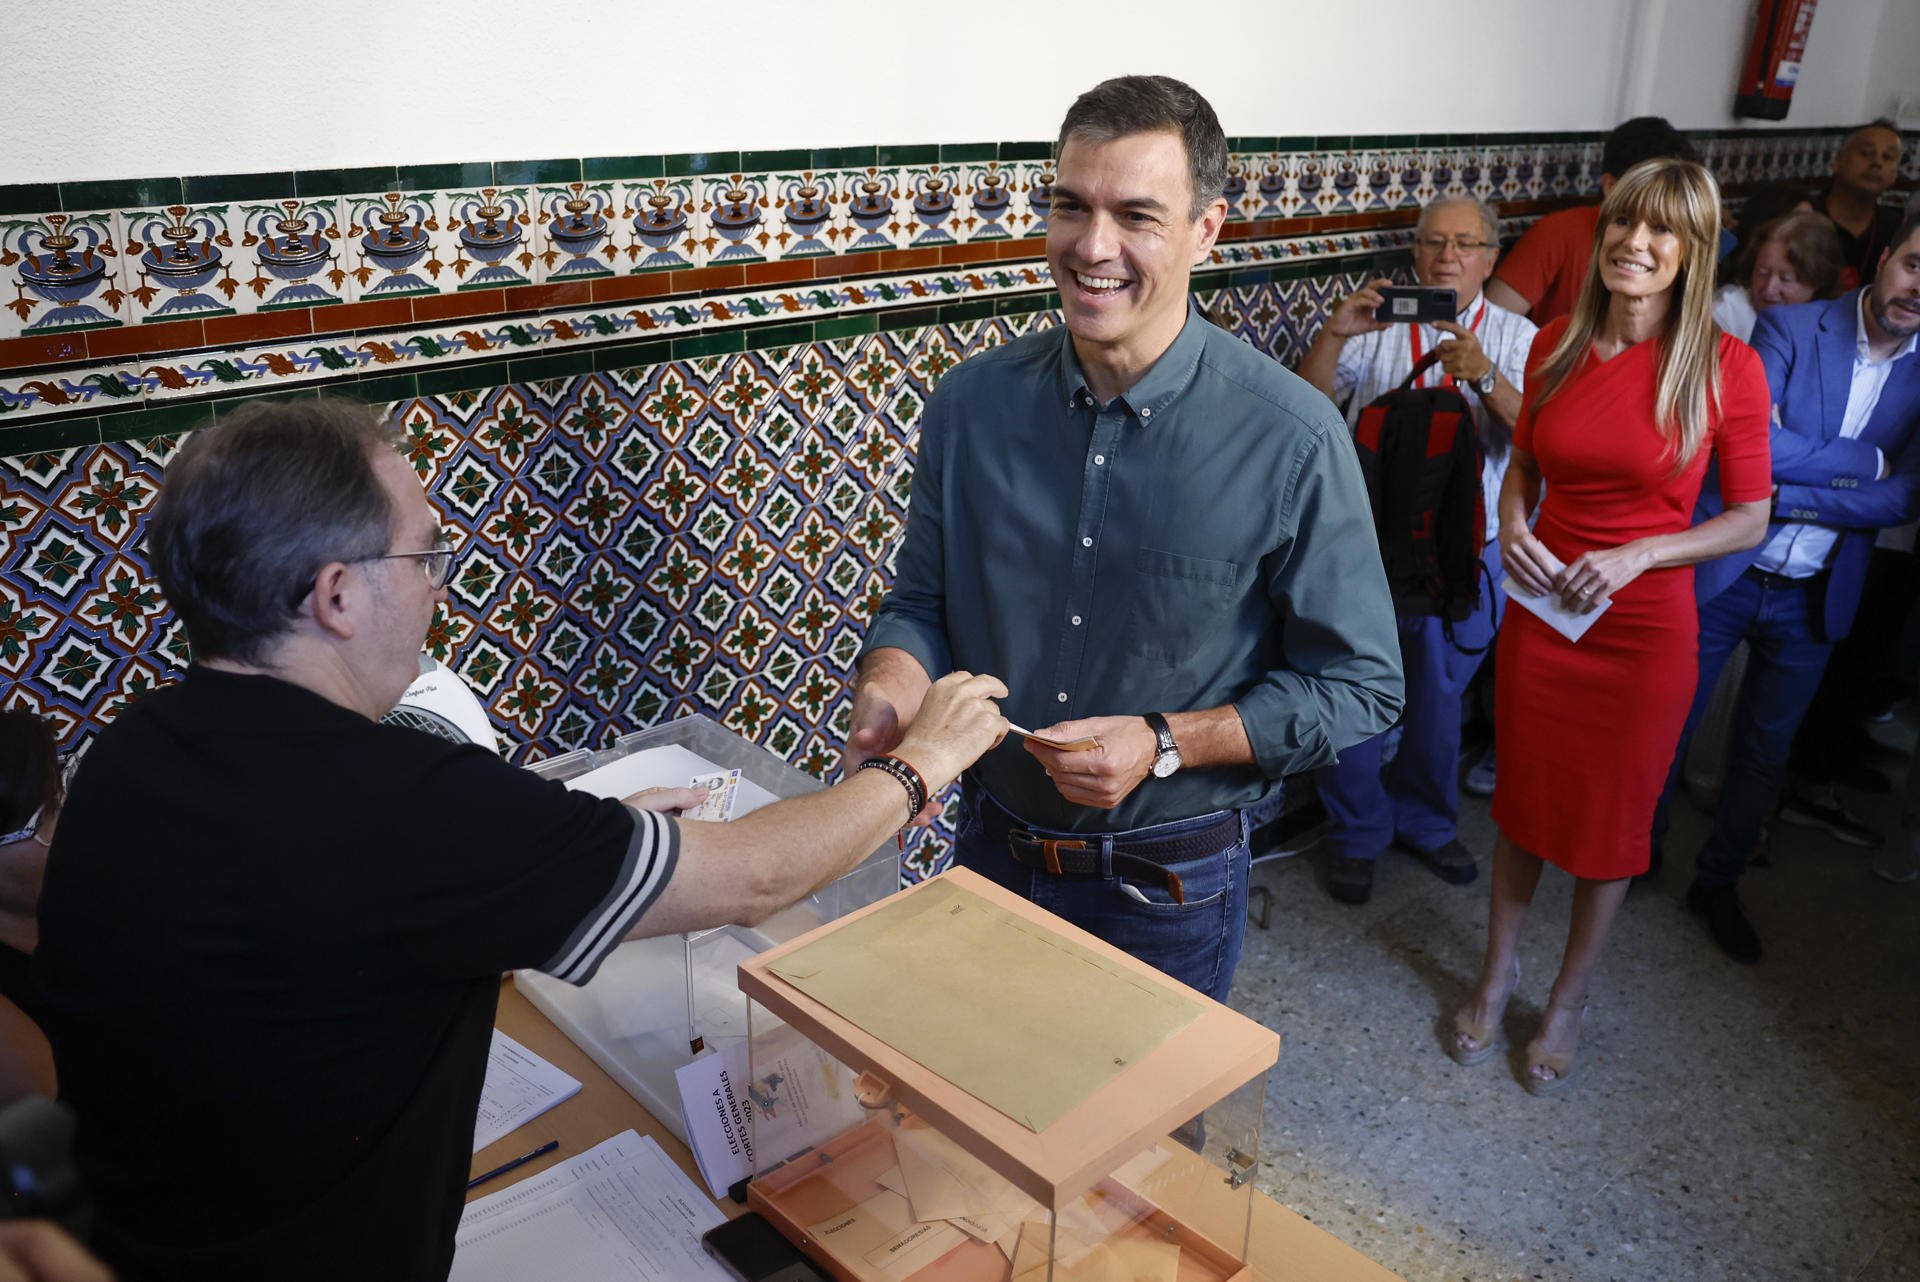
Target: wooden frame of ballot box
(1070, 1163)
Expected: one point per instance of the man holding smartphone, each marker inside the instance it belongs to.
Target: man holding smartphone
(1411, 801)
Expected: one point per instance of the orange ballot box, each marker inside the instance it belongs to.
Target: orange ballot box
(954, 1085)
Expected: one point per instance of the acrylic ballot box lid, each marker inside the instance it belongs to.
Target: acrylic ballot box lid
(657, 1004)
(1217, 1052)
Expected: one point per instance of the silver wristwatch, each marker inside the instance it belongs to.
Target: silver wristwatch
(1166, 758)
(1488, 381)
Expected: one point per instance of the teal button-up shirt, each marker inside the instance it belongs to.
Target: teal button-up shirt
(1203, 539)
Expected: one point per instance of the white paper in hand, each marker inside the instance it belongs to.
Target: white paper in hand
(1550, 612)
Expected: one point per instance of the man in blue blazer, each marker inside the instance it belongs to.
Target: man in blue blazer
(1846, 461)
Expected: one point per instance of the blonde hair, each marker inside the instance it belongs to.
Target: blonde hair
(1681, 195)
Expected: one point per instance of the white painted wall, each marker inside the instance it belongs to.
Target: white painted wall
(1896, 64)
(124, 88)
(1701, 46)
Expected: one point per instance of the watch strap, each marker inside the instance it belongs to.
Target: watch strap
(1162, 733)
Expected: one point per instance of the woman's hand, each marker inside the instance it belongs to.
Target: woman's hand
(1595, 576)
(1527, 559)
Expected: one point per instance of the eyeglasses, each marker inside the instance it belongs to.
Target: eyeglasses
(1461, 245)
(438, 561)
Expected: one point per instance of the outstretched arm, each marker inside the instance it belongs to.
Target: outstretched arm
(747, 870)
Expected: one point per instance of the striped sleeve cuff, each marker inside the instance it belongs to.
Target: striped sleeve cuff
(648, 865)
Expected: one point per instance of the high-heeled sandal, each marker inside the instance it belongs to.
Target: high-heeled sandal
(1561, 1064)
(1486, 1037)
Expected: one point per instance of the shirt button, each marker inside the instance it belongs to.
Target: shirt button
(1076, 620)
(1086, 542)
(1099, 460)
(1062, 696)
(1145, 413)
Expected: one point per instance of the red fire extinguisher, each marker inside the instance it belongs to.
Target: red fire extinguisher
(1773, 61)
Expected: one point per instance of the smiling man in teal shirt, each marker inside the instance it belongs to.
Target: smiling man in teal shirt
(1160, 539)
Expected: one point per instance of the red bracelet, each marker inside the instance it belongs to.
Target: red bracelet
(908, 777)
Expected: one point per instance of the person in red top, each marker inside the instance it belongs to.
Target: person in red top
(1626, 399)
(1541, 275)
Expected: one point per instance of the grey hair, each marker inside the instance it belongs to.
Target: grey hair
(1128, 105)
(251, 509)
(1489, 220)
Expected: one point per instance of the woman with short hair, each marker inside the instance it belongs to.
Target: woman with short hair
(1792, 259)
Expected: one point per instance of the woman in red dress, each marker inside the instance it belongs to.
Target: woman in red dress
(1627, 397)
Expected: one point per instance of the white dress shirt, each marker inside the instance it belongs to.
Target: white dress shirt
(1733, 311)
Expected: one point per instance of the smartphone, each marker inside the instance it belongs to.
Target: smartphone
(752, 1250)
(1415, 303)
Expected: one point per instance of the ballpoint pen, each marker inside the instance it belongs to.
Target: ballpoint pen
(522, 1160)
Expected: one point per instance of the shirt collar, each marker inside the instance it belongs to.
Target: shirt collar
(1861, 352)
(1161, 385)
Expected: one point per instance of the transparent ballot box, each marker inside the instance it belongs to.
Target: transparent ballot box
(656, 1005)
(956, 1086)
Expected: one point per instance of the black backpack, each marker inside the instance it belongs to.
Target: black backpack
(1421, 458)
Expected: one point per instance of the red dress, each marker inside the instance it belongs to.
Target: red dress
(1587, 731)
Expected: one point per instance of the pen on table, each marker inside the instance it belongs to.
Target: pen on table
(522, 1160)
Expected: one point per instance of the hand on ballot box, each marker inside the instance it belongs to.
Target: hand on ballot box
(667, 801)
(1103, 775)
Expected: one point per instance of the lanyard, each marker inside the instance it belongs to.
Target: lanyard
(1413, 337)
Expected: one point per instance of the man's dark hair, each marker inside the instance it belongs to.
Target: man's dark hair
(251, 509)
(29, 768)
(1643, 138)
(1128, 105)
(1908, 229)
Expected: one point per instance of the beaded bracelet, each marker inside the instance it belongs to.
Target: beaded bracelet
(909, 779)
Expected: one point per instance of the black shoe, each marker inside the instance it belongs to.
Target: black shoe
(1452, 863)
(1825, 812)
(1726, 921)
(1350, 880)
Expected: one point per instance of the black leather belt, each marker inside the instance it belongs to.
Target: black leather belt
(1778, 582)
(1140, 859)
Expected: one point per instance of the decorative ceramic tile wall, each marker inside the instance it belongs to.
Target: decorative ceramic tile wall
(420, 265)
(701, 521)
(706, 535)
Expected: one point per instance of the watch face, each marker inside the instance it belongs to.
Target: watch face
(1165, 764)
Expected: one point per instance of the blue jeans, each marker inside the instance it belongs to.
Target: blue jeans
(1780, 624)
(1197, 943)
(1413, 799)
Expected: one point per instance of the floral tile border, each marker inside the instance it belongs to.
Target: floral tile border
(94, 272)
(270, 367)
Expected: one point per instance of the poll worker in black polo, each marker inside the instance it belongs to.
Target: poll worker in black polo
(272, 929)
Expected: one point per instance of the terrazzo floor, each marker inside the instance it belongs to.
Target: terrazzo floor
(1728, 1121)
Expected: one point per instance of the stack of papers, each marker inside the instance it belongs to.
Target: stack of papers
(520, 1086)
(620, 1212)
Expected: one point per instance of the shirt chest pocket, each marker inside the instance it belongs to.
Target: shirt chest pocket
(1178, 603)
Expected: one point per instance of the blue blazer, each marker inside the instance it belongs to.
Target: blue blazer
(1824, 478)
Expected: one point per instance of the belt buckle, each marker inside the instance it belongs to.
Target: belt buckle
(1050, 847)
